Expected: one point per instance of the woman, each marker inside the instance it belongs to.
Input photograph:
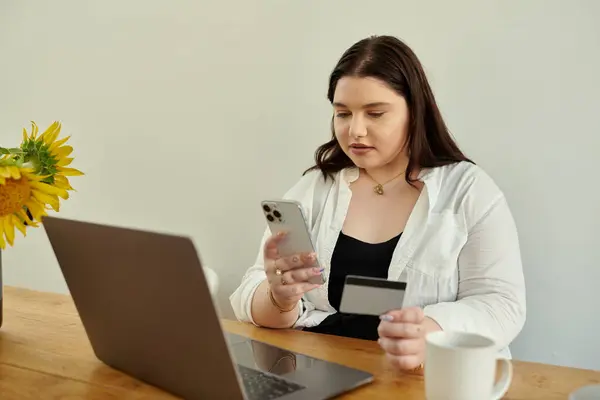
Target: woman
(401, 202)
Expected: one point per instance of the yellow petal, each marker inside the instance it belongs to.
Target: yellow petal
(51, 133)
(63, 162)
(37, 210)
(36, 178)
(5, 172)
(14, 172)
(62, 182)
(9, 229)
(52, 200)
(30, 222)
(2, 242)
(63, 151)
(34, 130)
(49, 189)
(20, 226)
(59, 143)
(69, 171)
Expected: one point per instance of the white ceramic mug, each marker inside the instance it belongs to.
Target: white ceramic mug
(462, 366)
(591, 392)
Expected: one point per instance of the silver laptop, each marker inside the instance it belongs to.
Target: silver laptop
(147, 310)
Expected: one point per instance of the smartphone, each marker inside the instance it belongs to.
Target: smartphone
(383, 295)
(287, 216)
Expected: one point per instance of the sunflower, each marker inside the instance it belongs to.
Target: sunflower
(48, 156)
(23, 199)
(33, 179)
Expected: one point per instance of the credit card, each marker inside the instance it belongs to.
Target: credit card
(371, 296)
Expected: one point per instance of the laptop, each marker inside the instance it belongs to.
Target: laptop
(147, 310)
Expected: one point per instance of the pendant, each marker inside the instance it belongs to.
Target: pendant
(378, 189)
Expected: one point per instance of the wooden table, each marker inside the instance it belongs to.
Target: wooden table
(45, 354)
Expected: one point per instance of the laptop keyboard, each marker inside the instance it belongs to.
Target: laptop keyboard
(262, 386)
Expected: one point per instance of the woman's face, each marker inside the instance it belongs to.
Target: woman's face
(370, 122)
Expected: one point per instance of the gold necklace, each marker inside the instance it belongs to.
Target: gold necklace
(378, 188)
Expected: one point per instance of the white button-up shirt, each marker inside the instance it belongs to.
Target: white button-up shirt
(459, 252)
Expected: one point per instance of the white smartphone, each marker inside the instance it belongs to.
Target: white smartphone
(287, 216)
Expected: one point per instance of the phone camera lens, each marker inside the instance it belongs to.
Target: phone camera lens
(270, 218)
(277, 214)
(266, 208)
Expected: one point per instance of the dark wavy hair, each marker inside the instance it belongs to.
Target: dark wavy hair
(388, 59)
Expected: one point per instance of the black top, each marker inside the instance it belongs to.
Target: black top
(354, 257)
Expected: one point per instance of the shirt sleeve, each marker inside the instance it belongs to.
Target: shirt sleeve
(491, 286)
(241, 298)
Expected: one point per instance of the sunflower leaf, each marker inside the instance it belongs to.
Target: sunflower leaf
(12, 150)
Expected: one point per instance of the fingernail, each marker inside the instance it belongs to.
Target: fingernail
(386, 317)
(295, 259)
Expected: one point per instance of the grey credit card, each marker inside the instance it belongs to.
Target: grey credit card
(371, 296)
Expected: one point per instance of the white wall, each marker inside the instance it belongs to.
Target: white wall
(185, 114)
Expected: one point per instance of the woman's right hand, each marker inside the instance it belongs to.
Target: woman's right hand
(288, 276)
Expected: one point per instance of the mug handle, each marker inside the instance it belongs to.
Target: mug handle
(501, 387)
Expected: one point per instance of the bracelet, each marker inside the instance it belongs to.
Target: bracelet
(274, 302)
(290, 357)
(418, 370)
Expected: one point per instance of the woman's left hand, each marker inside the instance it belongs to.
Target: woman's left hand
(402, 336)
